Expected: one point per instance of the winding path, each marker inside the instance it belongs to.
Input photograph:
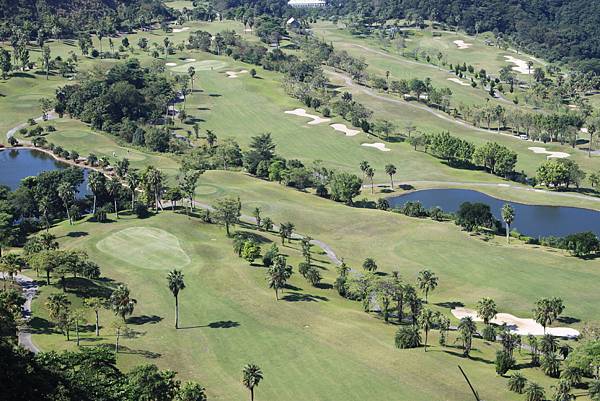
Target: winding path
(30, 289)
(11, 132)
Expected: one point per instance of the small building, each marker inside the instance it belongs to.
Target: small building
(292, 23)
(306, 3)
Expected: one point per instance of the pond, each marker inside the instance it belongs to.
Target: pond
(16, 164)
(531, 220)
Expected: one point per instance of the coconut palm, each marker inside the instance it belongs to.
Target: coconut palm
(551, 364)
(77, 317)
(191, 73)
(252, 376)
(96, 184)
(486, 309)
(517, 382)
(508, 215)
(390, 170)
(278, 274)
(364, 165)
(176, 284)
(133, 181)
(58, 309)
(467, 330)
(427, 319)
(113, 187)
(370, 173)
(66, 194)
(95, 304)
(121, 302)
(427, 281)
(534, 392)
(562, 391)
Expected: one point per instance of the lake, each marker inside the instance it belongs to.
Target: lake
(16, 164)
(531, 220)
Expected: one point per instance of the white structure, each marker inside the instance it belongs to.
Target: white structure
(306, 3)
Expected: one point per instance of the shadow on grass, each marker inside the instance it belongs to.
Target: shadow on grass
(299, 297)
(85, 288)
(473, 358)
(324, 286)
(38, 325)
(123, 349)
(450, 304)
(144, 319)
(568, 319)
(77, 234)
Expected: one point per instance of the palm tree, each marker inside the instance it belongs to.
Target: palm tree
(95, 304)
(96, 183)
(508, 215)
(427, 319)
(486, 309)
(427, 281)
(390, 170)
(256, 215)
(563, 391)
(66, 194)
(191, 73)
(534, 392)
(278, 274)
(176, 284)
(370, 173)
(252, 375)
(121, 302)
(467, 330)
(364, 165)
(76, 317)
(113, 187)
(58, 308)
(133, 181)
(517, 382)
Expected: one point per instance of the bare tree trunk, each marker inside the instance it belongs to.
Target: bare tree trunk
(97, 324)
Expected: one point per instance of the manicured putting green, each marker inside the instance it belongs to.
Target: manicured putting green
(202, 65)
(145, 247)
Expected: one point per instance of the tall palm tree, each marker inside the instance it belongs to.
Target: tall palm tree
(364, 165)
(534, 392)
(427, 281)
(508, 215)
(121, 302)
(278, 274)
(370, 173)
(390, 170)
(95, 304)
(66, 194)
(96, 183)
(176, 284)
(427, 319)
(252, 375)
(467, 330)
(191, 73)
(486, 309)
(113, 187)
(133, 181)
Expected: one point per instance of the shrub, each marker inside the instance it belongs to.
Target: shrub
(517, 383)
(504, 362)
(489, 333)
(326, 112)
(101, 215)
(251, 251)
(13, 141)
(313, 276)
(582, 244)
(383, 204)
(472, 216)
(141, 210)
(303, 269)
(408, 337)
(321, 191)
(413, 209)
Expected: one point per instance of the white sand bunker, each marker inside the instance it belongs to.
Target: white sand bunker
(458, 81)
(171, 64)
(518, 325)
(343, 128)
(189, 60)
(539, 150)
(177, 30)
(302, 113)
(462, 44)
(377, 145)
(521, 65)
(235, 74)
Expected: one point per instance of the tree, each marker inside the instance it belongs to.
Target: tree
(188, 182)
(46, 59)
(562, 391)
(112, 188)
(176, 284)
(278, 274)
(250, 251)
(256, 215)
(427, 319)
(344, 187)
(582, 244)
(517, 383)
(95, 304)
(370, 173)
(369, 265)
(472, 216)
(534, 392)
(153, 181)
(5, 63)
(547, 310)
(76, 317)
(133, 181)
(191, 74)
(504, 362)
(364, 166)
(227, 212)
(427, 281)
(147, 382)
(508, 215)
(467, 330)
(486, 309)
(191, 391)
(251, 377)
(408, 337)
(390, 170)
(551, 364)
(121, 303)
(58, 308)
(96, 184)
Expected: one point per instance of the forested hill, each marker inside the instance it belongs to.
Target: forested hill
(64, 18)
(567, 30)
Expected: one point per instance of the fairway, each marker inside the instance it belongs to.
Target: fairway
(204, 65)
(145, 247)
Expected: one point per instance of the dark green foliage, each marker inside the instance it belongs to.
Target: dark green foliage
(489, 333)
(408, 337)
(582, 244)
(504, 362)
(472, 216)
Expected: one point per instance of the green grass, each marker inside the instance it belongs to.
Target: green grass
(307, 343)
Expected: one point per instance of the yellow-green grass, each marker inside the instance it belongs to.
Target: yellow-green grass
(312, 344)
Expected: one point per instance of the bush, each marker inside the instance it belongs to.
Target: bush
(489, 333)
(517, 383)
(303, 269)
(141, 210)
(408, 337)
(383, 204)
(472, 216)
(322, 191)
(582, 244)
(95, 53)
(413, 209)
(504, 362)
(101, 215)
(326, 112)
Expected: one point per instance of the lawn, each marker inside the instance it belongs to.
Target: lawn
(312, 344)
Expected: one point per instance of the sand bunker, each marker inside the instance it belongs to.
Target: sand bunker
(189, 60)
(377, 145)
(518, 325)
(302, 113)
(458, 81)
(235, 74)
(343, 128)
(171, 64)
(521, 65)
(539, 150)
(177, 30)
(462, 44)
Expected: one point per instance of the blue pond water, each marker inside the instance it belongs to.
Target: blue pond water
(531, 220)
(16, 164)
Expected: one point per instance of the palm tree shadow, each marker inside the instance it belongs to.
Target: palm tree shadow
(299, 297)
(139, 320)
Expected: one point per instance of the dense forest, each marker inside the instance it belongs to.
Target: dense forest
(567, 30)
(66, 18)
